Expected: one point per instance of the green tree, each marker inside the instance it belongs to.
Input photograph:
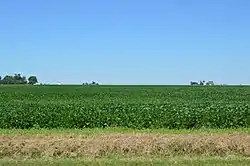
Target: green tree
(32, 80)
(202, 82)
(194, 83)
(18, 79)
(94, 83)
(8, 80)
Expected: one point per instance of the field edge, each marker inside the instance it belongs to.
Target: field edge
(104, 131)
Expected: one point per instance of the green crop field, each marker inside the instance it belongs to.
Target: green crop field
(138, 107)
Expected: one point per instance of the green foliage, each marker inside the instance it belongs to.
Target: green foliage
(17, 79)
(32, 80)
(172, 107)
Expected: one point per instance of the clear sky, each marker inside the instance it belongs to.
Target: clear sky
(126, 41)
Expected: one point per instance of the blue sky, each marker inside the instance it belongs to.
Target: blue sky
(126, 42)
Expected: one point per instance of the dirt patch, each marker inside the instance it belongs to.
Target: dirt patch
(32, 146)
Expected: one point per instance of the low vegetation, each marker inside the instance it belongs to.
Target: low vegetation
(138, 107)
(124, 125)
(116, 146)
(73, 146)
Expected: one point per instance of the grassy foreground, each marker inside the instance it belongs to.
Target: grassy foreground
(118, 146)
(180, 161)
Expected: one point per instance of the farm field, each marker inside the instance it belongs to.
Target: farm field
(138, 107)
(124, 125)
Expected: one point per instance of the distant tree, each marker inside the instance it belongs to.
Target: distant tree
(194, 83)
(32, 80)
(210, 83)
(18, 79)
(17, 76)
(92, 83)
(202, 82)
(8, 80)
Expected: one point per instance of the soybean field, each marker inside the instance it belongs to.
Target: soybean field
(138, 107)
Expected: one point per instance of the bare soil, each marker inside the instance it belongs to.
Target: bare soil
(75, 146)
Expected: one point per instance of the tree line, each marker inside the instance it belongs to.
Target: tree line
(92, 83)
(18, 79)
(202, 83)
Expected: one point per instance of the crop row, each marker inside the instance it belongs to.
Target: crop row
(172, 116)
(171, 107)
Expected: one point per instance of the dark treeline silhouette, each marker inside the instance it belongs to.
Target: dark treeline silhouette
(92, 83)
(18, 79)
(202, 83)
